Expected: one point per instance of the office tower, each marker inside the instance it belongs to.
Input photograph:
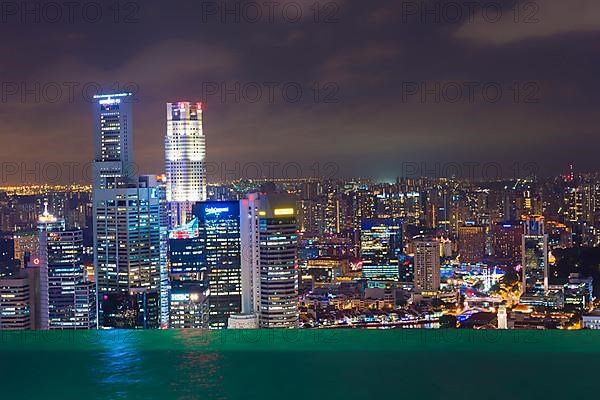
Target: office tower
(185, 155)
(128, 240)
(128, 251)
(506, 242)
(471, 244)
(8, 264)
(63, 278)
(189, 306)
(219, 228)
(427, 265)
(380, 248)
(535, 257)
(269, 260)
(113, 143)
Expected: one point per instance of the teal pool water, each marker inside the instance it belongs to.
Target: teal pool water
(299, 364)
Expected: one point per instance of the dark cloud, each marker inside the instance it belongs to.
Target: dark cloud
(353, 62)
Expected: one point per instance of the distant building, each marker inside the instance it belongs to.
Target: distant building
(507, 242)
(535, 257)
(380, 248)
(427, 265)
(27, 245)
(471, 244)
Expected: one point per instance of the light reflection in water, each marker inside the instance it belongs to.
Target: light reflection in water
(120, 362)
(197, 370)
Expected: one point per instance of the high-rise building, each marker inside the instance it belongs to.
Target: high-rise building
(535, 257)
(185, 155)
(128, 240)
(380, 248)
(63, 279)
(219, 228)
(113, 139)
(471, 244)
(427, 265)
(128, 246)
(269, 259)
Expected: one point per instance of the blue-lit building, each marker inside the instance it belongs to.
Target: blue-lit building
(206, 252)
(219, 230)
(381, 248)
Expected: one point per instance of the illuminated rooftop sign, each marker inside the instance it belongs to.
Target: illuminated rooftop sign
(283, 211)
(216, 210)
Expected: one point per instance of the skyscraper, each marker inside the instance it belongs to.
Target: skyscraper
(113, 143)
(128, 247)
(67, 299)
(269, 259)
(185, 155)
(128, 240)
(535, 257)
(427, 265)
(219, 228)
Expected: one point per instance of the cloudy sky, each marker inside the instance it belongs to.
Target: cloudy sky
(344, 87)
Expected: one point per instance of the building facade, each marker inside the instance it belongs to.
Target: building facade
(269, 259)
(185, 155)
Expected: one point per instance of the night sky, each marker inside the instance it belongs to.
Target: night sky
(367, 58)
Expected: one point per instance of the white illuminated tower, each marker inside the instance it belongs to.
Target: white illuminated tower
(185, 155)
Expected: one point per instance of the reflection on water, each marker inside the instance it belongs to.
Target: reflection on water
(120, 362)
(196, 369)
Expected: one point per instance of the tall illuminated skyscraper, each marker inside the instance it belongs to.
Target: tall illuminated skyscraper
(269, 260)
(128, 240)
(185, 155)
(113, 143)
